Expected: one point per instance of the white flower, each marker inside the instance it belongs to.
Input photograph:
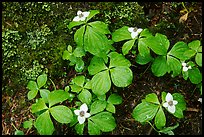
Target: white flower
(134, 31)
(170, 103)
(81, 16)
(82, 113)
(185, 68)
(200, 100)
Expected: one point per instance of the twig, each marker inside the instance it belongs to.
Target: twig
(192, 109)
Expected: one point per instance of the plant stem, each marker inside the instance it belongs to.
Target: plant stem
(152, 126)
(53, 83)
(14, 126)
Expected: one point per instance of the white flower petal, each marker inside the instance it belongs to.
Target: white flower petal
(165, 104)
(200, 100)
(189, 67)
(185, 69)
(169, 97)
(84, 107)
(82, 18)
(175, 102)
(87, 115)
(86, 14)
(76, 18)
(172, 109)
(76, 112)
(184, 64)
(81, 119)
(134, 34)
(79, 12)
(139, 30)
(130, 29)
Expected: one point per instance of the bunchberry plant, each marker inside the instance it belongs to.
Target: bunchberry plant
(75, 57)
(150, 108)
(118, 72)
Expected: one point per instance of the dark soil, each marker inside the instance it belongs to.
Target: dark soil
(16, 108)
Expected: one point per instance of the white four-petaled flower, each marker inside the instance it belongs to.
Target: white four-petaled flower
(170, 103)
(185, 66)
(82, 113)
(81, 16)
(134, 31)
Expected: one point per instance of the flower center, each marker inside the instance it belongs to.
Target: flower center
(135, 29)
(170, 103)
(81, 15)
(82, 113)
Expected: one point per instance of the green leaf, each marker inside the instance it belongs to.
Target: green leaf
(121, 76)
(142, 47)
(163, 95)
(145, 111)
(127, 46)
(79, 52)
(66, 89)
(19, 132)
(104, 121)
(102, 97)
(88, 84)
(142, 60)
(110, 107)
(194, 45)
(200, 49)
(93, 129)
(75, 23)
(189, 53)
(185, 74)
(180, 106)
(57, 96)
(69, 48)
(115, 99)
(96, 65)
(159, 66)
(160, 119)
(100, 26)
(117, 60)
(75, 88)
(97, 106)
(61, 113)
(178, 50)
(32, 85)
(44, 124)
(28, 124)
(44, 94)
(101, 83)
(85, 96)
(41, 80)
(198, 59)
(96, 43)
(145, 33)
(156, 45)
(38, 106)
(79, 36)
(163, 40)
(165, 130)
(174, 65)
(66, 55)
(121, 34)
(79, 128)
(195, 75)
(32, 94)
(92, 13)
(79, 80)
(152, 98)
(79, 65)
